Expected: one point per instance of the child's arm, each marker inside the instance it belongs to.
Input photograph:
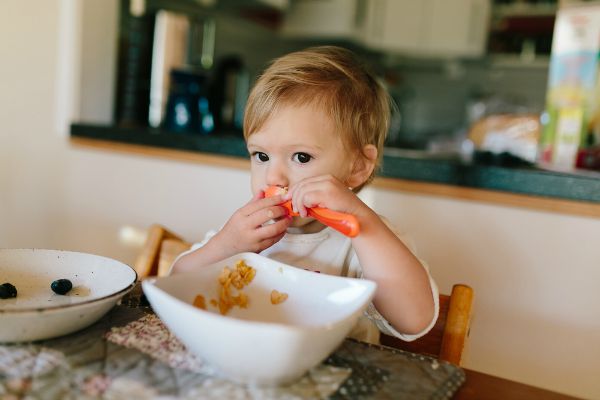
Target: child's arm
(404, 295)
(246, 230)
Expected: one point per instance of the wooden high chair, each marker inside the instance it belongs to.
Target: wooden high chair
(445, 341)
(160, 250)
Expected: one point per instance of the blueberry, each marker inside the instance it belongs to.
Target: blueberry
(61, 286)
(7, 290)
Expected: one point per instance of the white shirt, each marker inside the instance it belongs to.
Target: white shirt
(330, 252)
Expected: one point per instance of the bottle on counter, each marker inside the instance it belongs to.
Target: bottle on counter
(188, 108)
(229, 94)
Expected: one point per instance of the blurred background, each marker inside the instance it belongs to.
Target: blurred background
(178, 71)
(446, 64)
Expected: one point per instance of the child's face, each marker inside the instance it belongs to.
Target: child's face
(295, 143)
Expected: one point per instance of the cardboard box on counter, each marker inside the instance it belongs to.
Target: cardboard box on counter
(572, 109)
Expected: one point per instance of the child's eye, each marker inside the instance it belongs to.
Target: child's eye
(260, 156)
(302, 158)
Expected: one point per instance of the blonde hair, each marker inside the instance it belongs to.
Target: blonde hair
(333, 79)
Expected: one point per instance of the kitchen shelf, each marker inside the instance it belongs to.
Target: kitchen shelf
(510, 60)
(581, 190)
(524, 10)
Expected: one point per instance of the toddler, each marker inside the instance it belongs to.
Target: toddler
(315, 123)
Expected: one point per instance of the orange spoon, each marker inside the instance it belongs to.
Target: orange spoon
(342, 222)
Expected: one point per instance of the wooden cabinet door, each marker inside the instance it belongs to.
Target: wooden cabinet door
(393, 25)
(457, 27)
(425, 27)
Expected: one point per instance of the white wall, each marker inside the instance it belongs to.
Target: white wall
(535, 276)
(107, 192)
(29, 148)
(537, 306)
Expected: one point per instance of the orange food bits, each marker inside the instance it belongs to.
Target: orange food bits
(230, 280)
(230, 290)
(224, 307)
(224, 276)
(278, 297)
(275, 191)
(241, 300)
(199, 302)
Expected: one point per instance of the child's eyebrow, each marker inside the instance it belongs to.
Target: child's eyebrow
(252, 145)
(254, 141)
(293, 147)
(303, 147)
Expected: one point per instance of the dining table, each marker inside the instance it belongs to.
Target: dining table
(130, 354)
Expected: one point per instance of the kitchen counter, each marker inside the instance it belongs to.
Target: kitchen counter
(415, 171)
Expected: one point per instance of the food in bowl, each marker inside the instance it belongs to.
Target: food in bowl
(61, 286)
(241, 276)
(264, 343)
(7, 290)
(38, 313)
(277, 297)
(199, 302)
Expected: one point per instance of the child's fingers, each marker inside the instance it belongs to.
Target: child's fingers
(312, 181)
(258, 195)
(255, 205)
(307, 195)
(266, 243)
(276, 229)
(322, 191)
(265, 215)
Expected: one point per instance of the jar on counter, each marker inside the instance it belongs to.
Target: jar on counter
(188, 108)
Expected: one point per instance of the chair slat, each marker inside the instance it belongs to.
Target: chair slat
(447, 338)
(169, 250)
(147, 262)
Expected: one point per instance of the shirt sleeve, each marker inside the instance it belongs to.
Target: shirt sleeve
(374, 316)
(385, 327)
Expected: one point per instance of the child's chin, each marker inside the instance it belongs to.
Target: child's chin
(298, 222)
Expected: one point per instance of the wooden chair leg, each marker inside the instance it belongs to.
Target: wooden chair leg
(147, 261)
(457, 323)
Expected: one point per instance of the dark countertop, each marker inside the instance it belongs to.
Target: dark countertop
(397, 163)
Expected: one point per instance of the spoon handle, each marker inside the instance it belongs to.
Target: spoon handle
(342, 222)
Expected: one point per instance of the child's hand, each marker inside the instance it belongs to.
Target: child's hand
(247, 229)
(324, 191)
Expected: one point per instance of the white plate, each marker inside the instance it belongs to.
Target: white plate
(264, 343)
(39, 313)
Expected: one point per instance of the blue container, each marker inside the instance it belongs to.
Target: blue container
(188, 107)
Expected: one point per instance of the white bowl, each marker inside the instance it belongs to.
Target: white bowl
(39, 313)
(264, 343)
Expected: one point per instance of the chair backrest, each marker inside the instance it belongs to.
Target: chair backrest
(159, 251)
(445, 341)
(447, 338)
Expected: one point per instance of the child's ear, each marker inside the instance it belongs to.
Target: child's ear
(363, 166)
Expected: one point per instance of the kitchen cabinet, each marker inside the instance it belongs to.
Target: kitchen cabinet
(437, 28)
(321, 19)
(276, 4)
(522, 28)
(393, 25)
(432, 28)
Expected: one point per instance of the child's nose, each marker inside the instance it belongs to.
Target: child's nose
(277, 176)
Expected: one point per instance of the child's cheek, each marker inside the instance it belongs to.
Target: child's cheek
(256, 186)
